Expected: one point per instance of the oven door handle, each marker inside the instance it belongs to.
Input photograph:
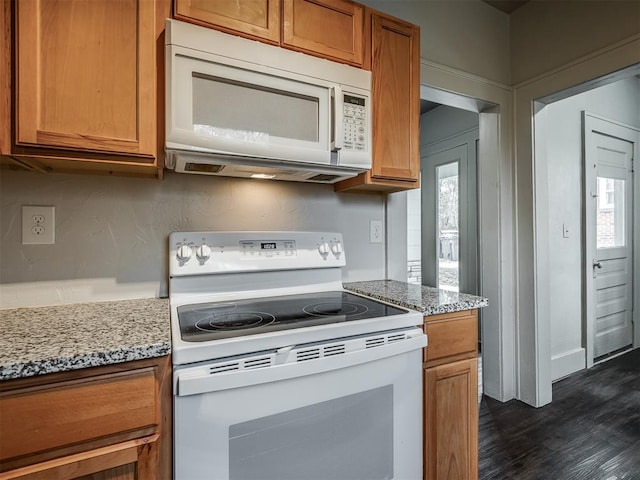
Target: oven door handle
(199, 380)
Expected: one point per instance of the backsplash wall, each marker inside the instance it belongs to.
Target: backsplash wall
(112, 233)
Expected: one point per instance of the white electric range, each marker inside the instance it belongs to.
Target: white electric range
(279, 373)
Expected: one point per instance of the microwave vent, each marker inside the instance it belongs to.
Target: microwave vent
(264, 170)
(323, 177)
(203, 167)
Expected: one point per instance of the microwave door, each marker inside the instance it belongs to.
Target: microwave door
(228, 109)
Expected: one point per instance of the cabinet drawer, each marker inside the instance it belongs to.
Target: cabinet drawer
(451, 335)
(42, 418)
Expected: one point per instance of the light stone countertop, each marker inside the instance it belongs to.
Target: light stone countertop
(427, 300)
(40, 340)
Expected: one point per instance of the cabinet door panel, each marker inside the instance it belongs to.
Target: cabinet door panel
(330, 28)
(115, 462)
(86, 75)
(256, 18)
(71, 412)
(451, 421)
(395, 66)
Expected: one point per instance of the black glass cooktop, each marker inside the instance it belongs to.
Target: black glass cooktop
(213, 321)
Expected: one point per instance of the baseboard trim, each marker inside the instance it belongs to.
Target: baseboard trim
(567, 363)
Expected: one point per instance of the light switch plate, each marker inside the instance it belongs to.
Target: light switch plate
(38, 225)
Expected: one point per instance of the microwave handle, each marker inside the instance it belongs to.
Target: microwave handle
(338, 120)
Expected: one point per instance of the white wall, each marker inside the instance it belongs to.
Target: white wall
(467, 35)
(619, 101)
(112, 233)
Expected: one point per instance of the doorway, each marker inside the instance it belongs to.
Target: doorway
(449, 228)
(493, 105)
(583, 186)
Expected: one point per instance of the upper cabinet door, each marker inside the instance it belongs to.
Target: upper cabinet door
(395, 66)
(331, 29)
(86, 75)
(253, 18)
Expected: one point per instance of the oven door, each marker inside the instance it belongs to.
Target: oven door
(312, 412)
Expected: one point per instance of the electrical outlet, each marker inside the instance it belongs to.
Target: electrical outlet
(375, 231)
(38, 225)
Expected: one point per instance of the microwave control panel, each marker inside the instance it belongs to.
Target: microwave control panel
(354, 123)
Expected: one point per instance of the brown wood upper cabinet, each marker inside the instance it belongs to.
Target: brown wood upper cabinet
(86, 84)
(331, 29)
(258, 19)
(393, 50)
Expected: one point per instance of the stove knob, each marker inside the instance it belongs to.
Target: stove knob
(336, 248)
(323, 248)
(184, 253)
(203, 252)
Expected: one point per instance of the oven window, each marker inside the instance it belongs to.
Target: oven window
(348, 437)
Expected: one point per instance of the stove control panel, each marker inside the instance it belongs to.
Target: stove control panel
(200, 253)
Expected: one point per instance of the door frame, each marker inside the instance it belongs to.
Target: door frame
(613, 128)
(496, 236)
(496, 261)
(532, 257)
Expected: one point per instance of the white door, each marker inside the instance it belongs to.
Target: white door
(609, 152)
(449, 218)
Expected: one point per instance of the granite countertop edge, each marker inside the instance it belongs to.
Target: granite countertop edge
(430, 301)
(40, 340)
(87, 360)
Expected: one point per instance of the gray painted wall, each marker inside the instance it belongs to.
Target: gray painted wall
(112, 233)
(444, 122)
(619, 101)
(545, 35)
(468, 35)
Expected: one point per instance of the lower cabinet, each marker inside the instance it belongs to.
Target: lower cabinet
(451, 420)
(451, 397)
(105, 423)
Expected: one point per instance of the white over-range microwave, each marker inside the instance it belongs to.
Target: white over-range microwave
(241, 108)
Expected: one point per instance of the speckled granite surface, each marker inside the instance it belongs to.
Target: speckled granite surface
(36, 341)
(428, 300)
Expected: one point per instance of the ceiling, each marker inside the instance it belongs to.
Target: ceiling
(506, 6)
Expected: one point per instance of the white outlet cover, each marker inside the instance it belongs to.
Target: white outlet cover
(35, 233)
(375, 231)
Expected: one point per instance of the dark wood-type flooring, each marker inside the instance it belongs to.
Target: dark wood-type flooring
(590, 431)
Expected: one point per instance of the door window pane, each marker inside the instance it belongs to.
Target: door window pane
(447, 178)
(610, 225)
